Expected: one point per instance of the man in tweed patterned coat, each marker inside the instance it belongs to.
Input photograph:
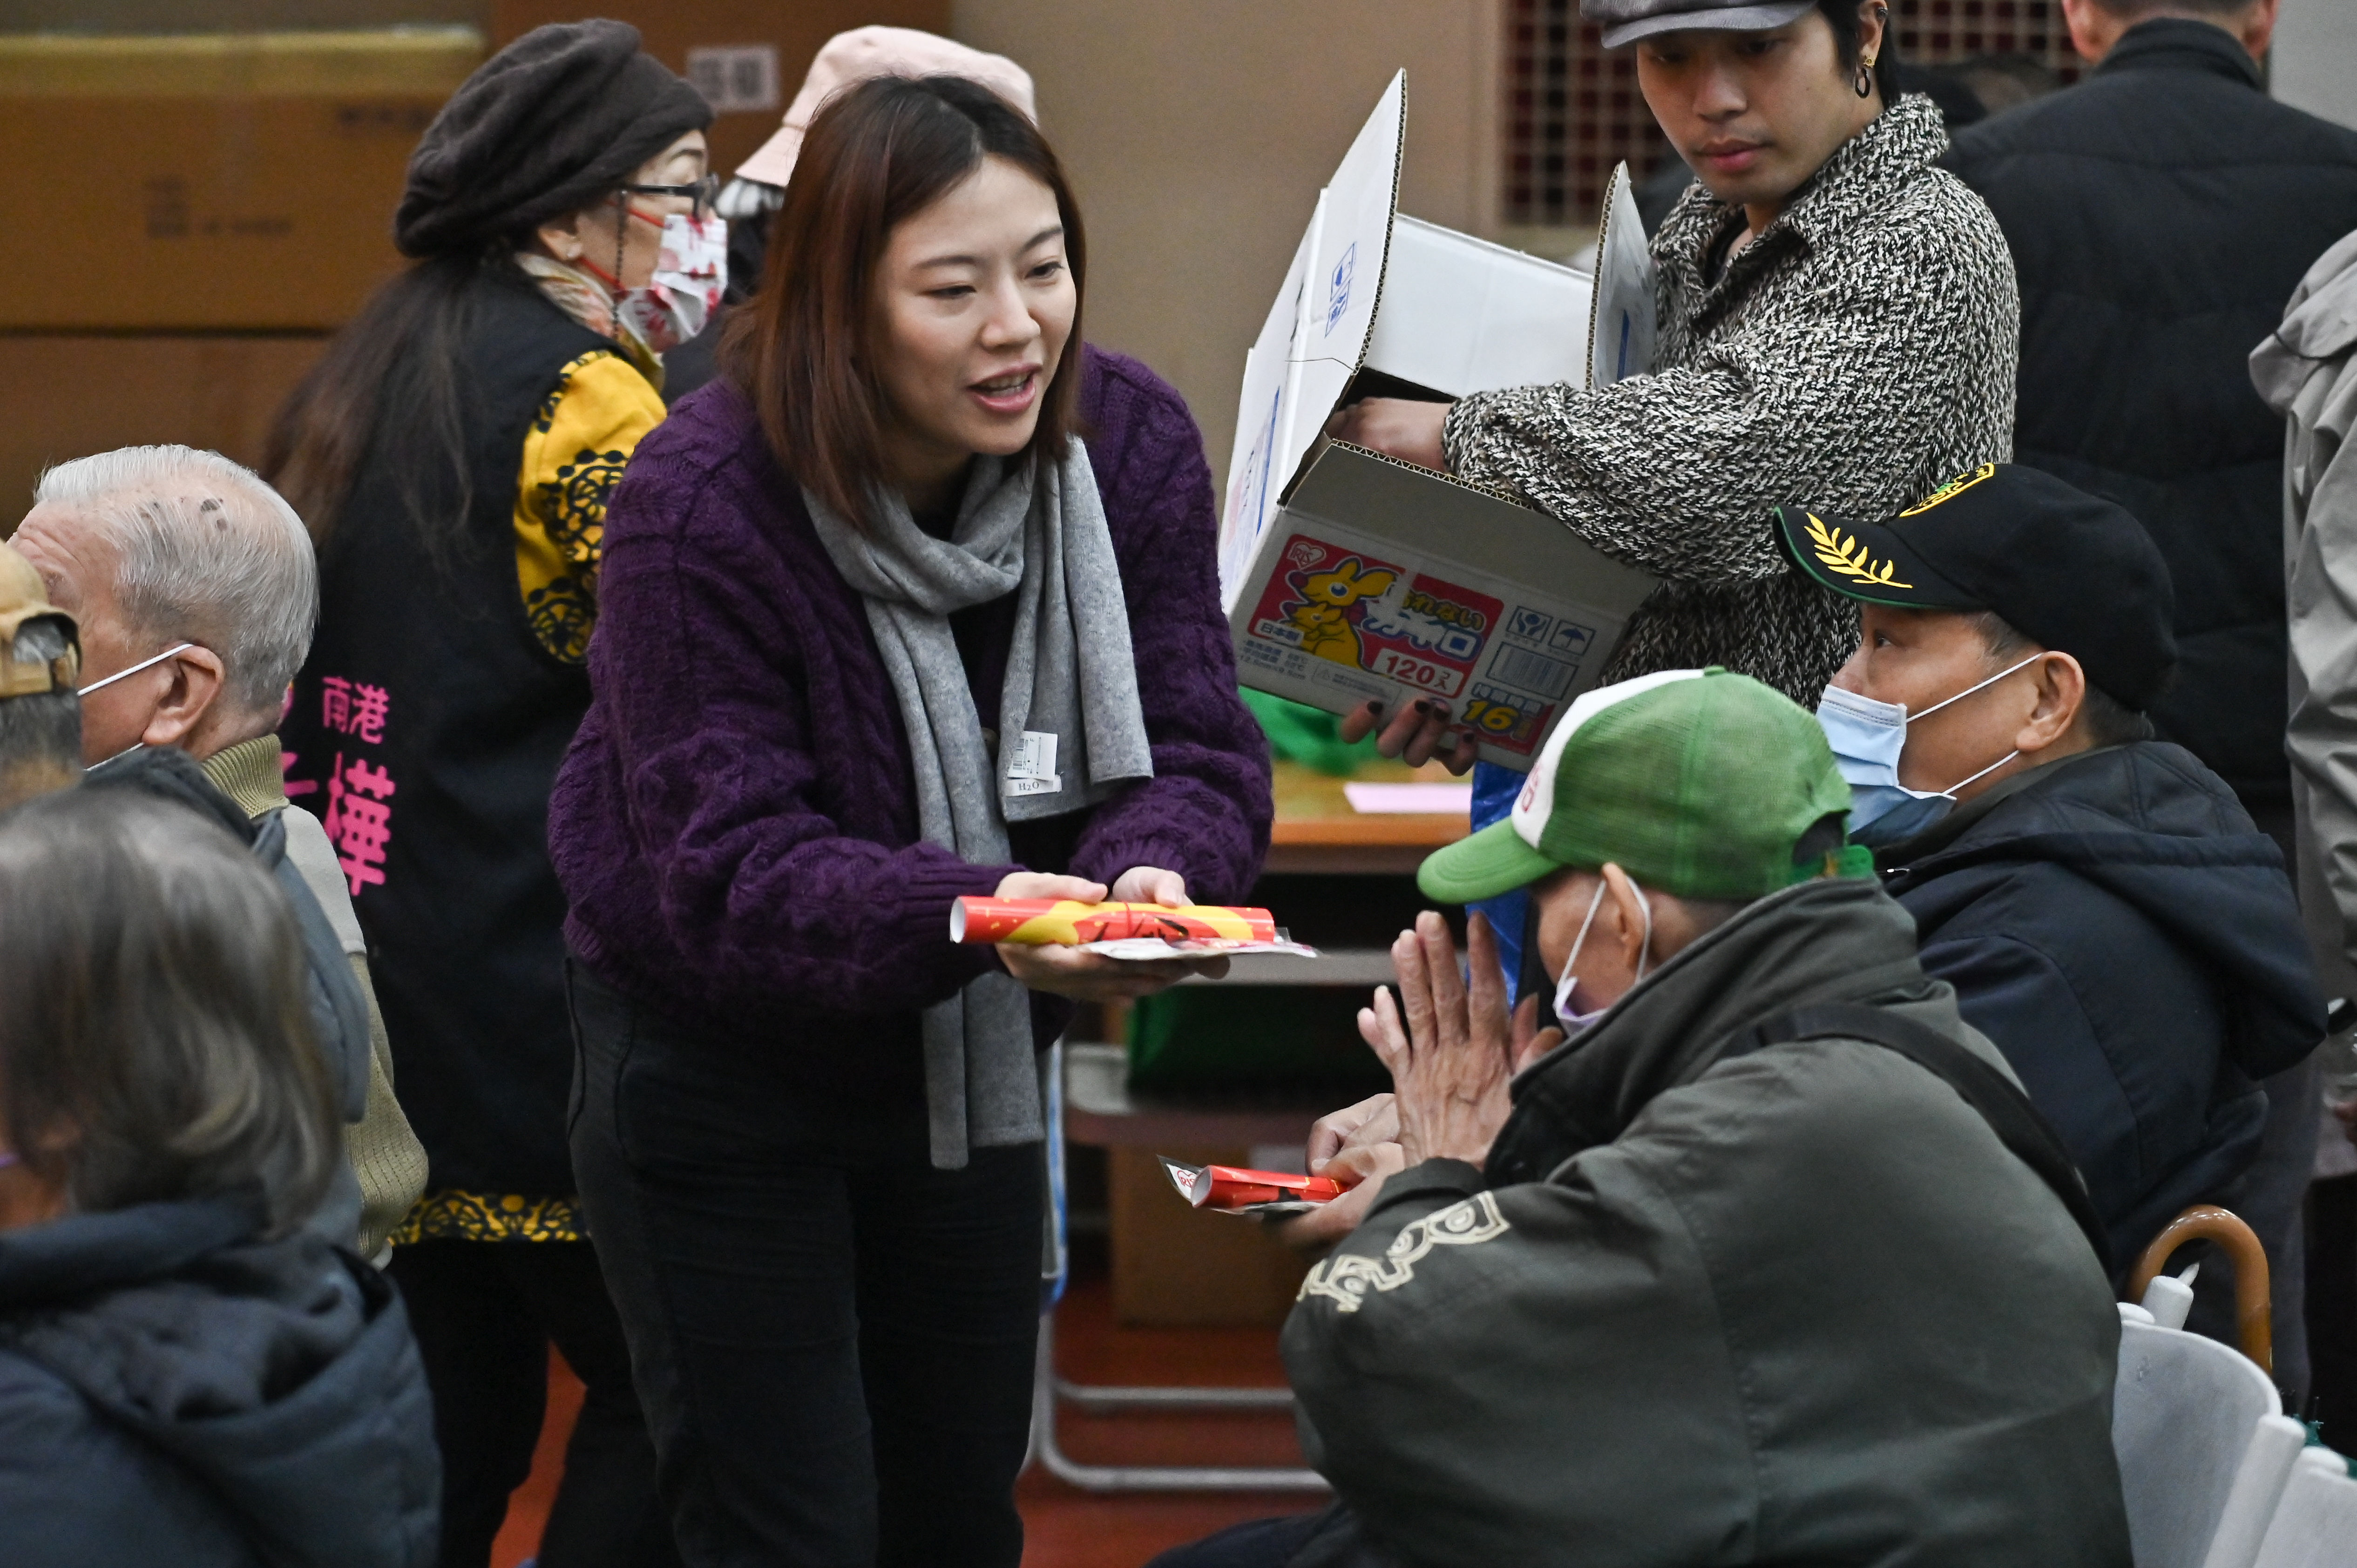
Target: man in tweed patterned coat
(1837, 320)
(1857, 350)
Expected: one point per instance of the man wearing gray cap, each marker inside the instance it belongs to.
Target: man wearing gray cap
(1836, 315)
(1837, 321)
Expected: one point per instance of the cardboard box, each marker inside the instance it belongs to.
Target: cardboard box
(1348, 576)
(67, 397)
(240, 181)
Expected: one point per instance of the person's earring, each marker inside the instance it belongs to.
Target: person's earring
(1865, 82)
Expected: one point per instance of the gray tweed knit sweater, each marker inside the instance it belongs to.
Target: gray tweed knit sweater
(1855, 355)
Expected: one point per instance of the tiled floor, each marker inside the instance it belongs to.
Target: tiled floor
(1067, 1528)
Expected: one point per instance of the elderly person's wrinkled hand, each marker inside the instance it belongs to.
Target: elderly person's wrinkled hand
(1361, 1170)
(1453, 1053)
(1358, 1146)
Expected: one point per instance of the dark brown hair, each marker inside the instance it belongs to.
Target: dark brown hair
(391, 381)
(2108, 720)
(156, 1041)
(1847, 19)
(875, 156)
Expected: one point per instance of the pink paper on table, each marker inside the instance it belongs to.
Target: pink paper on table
(1400, 799)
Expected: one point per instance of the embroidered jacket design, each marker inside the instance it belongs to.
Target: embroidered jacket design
(1346, 1280)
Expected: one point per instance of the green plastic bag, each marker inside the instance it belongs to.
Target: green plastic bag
(1311, 736)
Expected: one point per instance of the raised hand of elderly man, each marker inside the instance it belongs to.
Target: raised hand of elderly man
(1452, 1057)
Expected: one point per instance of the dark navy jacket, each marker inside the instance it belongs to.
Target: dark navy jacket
(2129, 940)
(174, 1390)
(2160, 215)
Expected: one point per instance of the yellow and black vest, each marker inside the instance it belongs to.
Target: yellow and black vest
(426, 729)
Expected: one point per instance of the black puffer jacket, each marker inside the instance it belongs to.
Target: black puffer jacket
(174, 1390)
(2129, 940)
(2160, 215)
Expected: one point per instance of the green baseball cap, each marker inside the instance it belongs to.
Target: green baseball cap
(1698, 782)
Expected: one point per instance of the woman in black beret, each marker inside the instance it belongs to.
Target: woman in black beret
(452, 454)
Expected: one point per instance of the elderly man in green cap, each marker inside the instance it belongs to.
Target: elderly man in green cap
(1769, 1261)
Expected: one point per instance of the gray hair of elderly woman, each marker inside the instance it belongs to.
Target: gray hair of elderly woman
(205, 551)
(155, 1042)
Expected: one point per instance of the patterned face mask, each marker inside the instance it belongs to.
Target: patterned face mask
(690, 273)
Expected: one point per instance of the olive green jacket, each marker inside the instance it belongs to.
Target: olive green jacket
(1795, 1306)
(382, 1151)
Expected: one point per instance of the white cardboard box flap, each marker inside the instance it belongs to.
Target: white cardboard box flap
(1352, 232)
(1260, 467)
(1461, 315)
(1620, 332)
(1348, 576)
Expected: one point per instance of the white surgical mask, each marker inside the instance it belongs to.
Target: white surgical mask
(119, 674)
(1567, 986)
(1867, 737)
(690, 276)
(145, 663)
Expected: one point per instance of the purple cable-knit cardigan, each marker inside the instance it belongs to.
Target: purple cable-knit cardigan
(736, 826)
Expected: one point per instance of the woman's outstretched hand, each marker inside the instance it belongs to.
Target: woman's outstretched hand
(1092, 977)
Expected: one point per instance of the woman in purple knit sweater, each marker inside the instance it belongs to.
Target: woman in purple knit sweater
(914, 603)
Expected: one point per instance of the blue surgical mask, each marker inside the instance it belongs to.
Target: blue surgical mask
(1566, 988)
(1867, 737)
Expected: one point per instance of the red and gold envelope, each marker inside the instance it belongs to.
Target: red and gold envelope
(1046, 922)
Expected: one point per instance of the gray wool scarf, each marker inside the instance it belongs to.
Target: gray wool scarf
(1069, 677)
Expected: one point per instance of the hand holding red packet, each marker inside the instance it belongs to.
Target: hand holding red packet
(1043, 922)
(1230, 1190)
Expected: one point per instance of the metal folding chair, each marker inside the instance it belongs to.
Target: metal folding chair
(1091, 1095)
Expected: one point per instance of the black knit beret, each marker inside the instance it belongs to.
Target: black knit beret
(550, 124)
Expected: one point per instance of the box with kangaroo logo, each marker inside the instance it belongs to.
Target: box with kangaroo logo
(1348, 576)
(1381, 581)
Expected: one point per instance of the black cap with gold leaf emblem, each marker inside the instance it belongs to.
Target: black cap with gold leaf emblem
(2071, 572)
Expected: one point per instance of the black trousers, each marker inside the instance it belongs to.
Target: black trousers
(485, 1314)
(833, 1340)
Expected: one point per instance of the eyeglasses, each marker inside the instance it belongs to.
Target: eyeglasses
(703, 193)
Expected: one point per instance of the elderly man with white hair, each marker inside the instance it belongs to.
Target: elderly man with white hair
(195, 590)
